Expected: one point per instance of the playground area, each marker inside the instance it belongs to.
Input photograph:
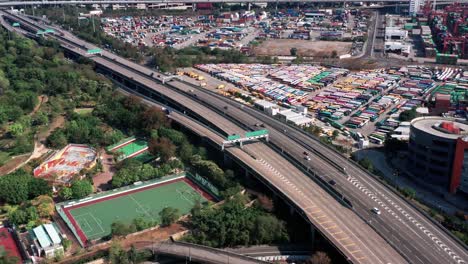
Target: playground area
(131, 148)
(91, 218)
(66, 163)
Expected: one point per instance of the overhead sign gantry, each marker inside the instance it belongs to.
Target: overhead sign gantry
(94, 51)
(233, 139)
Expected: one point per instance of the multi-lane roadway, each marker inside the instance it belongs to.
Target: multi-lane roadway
(361, 235)
(349, 233)
(128, 2)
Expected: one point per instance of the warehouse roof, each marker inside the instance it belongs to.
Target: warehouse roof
(47, 235)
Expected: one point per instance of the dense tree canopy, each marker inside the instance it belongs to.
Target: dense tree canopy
(169, 215)
(233, 224)
(81, 189)
(163, 148)
(20, 186)
(408, 115)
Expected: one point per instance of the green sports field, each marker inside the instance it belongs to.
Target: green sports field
(95, 219)
(133, 147)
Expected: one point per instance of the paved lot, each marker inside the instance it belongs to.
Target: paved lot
(282, 47)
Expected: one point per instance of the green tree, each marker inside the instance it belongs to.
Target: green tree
(16, 129)
(335, 134)
(66, 193)
(185, 152)
(38, 186)
(141, 224)
(58, 255)
(81, 189)
(367, 163)
(119, 228)
(408, 115)
(117, 255)
(234, 224)
(41, 118)
(14, 187)
(24, 215)
(177, 137)
(169, 215)
(293, 51)
(210, 170)
(163, 148)
(153, 118)
(8, 259)
(319, 257)
(66, 244)
(57, 139)
(334, 54)
(409, 193)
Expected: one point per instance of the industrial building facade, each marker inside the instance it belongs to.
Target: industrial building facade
(437, 149)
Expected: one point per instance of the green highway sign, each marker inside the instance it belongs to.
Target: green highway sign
(94, 51)
(233, 137)
(257, 133)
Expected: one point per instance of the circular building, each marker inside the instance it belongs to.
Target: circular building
(437, 152)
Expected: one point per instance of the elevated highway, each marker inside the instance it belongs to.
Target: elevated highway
(350, 234)
(201, 254)
(359, 235)
(134, 2)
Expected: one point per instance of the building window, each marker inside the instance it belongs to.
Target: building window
(439, 153)
(439, 163)
(421, 157)
(440, 143)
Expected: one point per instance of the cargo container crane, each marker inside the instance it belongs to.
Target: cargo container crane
(455, 22)
(457, 43)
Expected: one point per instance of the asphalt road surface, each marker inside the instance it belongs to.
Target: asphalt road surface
(420, 240)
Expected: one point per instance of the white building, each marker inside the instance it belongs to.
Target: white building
(295, 118)
(397, 46)
(415, 6)
(267, 107)
(402, 131)
(46, 241)
(395, 33)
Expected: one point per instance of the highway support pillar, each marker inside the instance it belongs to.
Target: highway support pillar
(249, 6)
(227, 161)
(292, 210)
(312, 236)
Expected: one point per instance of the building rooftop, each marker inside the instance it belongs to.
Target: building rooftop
(47, 235)
(438, 126)
(265, 104)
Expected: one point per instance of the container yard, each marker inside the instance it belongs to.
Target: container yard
(154, 31)
(368, 102)
(253, 78)
(350, 94)
(444, 32)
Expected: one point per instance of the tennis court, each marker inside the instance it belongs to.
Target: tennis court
(132, 148)
(93, 219)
